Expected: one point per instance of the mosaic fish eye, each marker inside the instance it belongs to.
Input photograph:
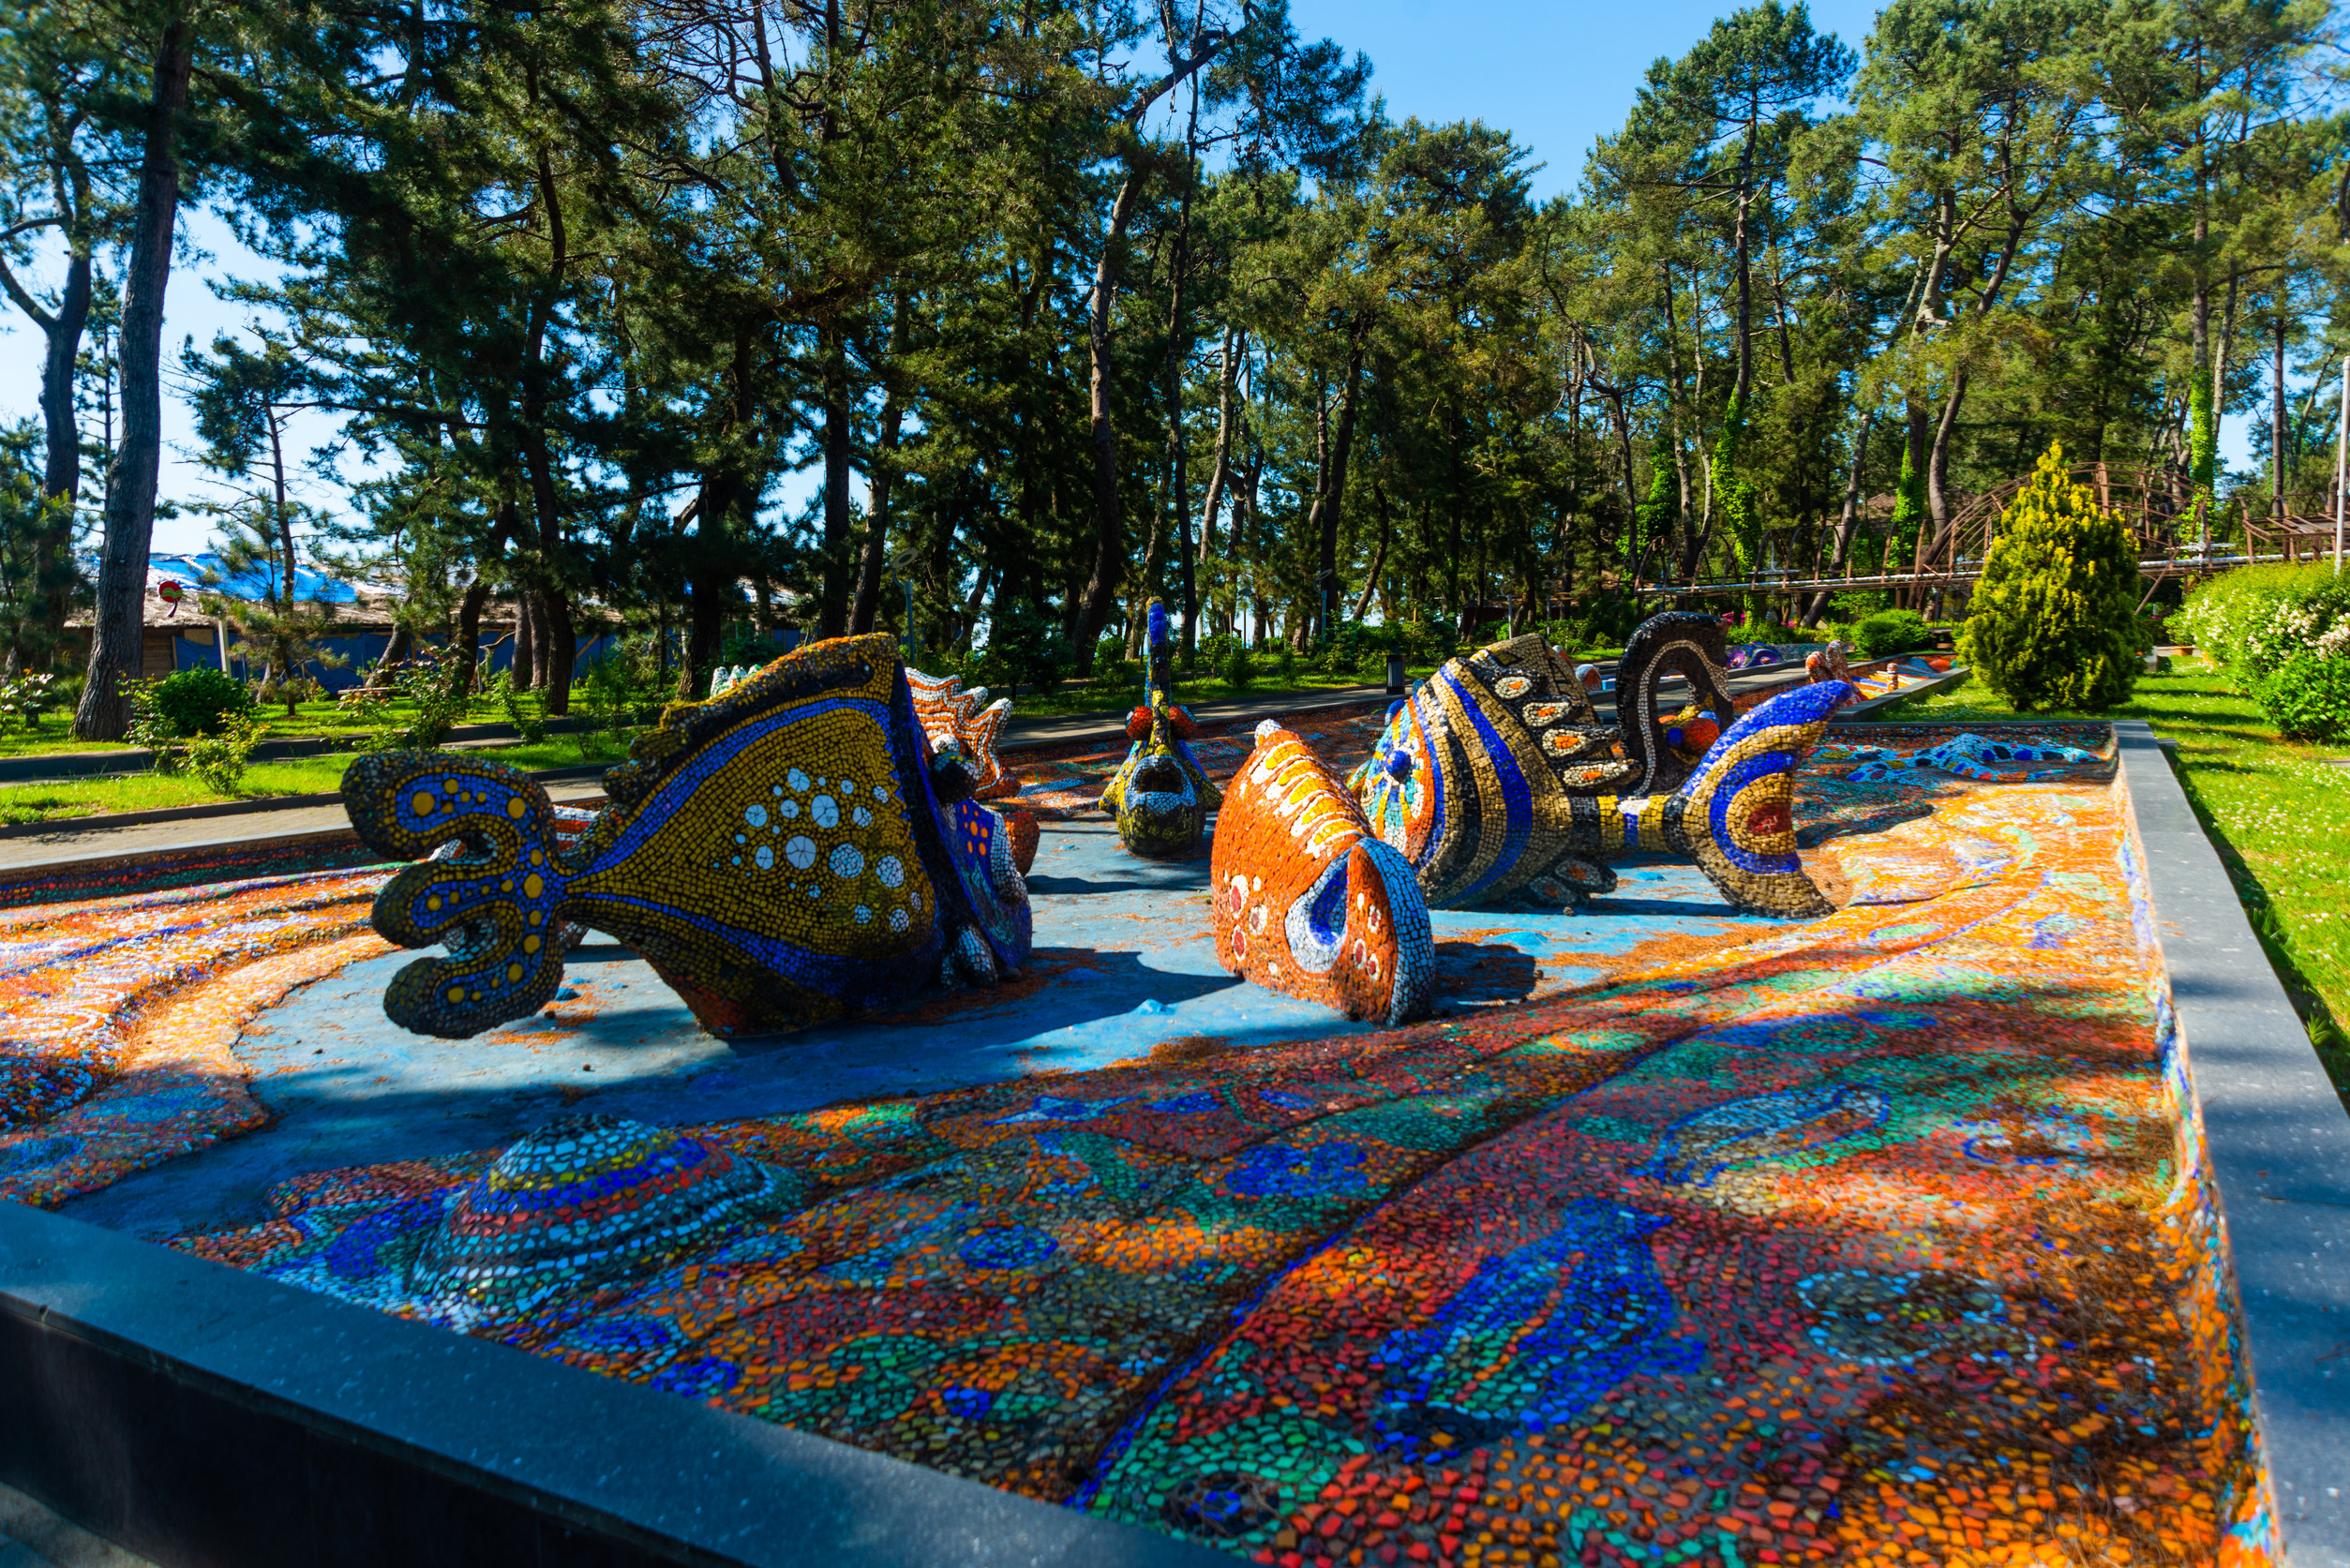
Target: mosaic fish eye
(1512, 686)
(797, 780)
(826, 811)
(890, 870)
(847, 860)
(755, 816)
(800, 852)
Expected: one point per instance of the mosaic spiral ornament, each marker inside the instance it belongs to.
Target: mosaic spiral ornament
(777, 855)
(1679, 642)
(1306, 899)
(582, 1201)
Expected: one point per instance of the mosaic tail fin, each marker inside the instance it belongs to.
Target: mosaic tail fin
(495, 904)
(1735, 817)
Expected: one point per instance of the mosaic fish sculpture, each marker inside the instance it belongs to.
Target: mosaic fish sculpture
(780, 856)
(1483, 808)
(1159, 794)
(1308, 902)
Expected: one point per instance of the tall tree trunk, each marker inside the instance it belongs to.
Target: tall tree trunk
(2276, 422)
(1109, 542)
(468, 631)
(1848, 521)
(525, 670)
(558, 645)
(839, 561)
(1236, 343)
(61, 471)
(117, 626)
(1321, 524)
(880, 483)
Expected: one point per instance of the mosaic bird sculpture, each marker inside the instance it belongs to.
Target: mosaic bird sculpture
(1483, 807)
(1307, 901)
(779, 856)
(1159, 794)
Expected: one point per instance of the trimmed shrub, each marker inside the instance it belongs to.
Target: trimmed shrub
(2306, 698)
(2053, 622)
(1240, 667)
(201, 701)
(1890, 631)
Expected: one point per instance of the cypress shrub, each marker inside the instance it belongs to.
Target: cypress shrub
(2053, 622)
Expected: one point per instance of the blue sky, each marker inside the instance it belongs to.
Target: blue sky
(1555, 76)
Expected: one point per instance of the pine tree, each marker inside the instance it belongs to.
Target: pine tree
(2053, 624)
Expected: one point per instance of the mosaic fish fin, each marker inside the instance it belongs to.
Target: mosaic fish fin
(496, 905)
(1735, 817)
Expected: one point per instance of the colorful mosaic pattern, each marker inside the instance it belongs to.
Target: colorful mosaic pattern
(1882, 1240)
(1160, 797)
(1473, 795)
(776, 854)
(1969, 756)
(967, 724)
(1304, 899)
(123, 1014)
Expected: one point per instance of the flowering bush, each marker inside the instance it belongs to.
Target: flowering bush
(2256, 618)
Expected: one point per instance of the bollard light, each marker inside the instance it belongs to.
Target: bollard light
(1395, 674)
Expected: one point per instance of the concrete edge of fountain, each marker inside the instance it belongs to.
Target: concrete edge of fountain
(2277, 1142)
(194, 1414)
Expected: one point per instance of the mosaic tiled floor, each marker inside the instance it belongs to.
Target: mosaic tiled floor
(1686, 1240)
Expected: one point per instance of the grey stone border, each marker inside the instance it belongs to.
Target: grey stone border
(197, 1415)
(2279, 1145)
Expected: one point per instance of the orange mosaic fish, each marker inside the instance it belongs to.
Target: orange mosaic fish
(1308, 902)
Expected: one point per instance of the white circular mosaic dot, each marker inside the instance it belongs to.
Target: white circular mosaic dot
(890, 870)
(881, 792)
(861, 816)
(800, 851)
(848, 860)
(788, 810)
(764, 855)
(797, 780)
(863, 915)
(898, 920)
(826, 811)
(756, 816)
(914, 897)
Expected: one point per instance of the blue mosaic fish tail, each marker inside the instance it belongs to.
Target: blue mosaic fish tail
(494, 904)
(1735, 817)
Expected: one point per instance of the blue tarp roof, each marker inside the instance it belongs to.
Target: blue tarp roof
(192, 569)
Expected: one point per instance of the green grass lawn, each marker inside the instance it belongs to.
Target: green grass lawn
(309, 775)
(2278, 812)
